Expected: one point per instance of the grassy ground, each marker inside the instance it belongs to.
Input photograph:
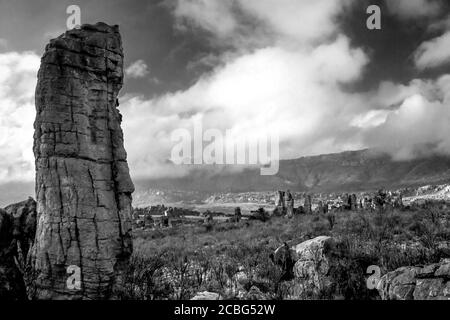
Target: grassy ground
(228, 257)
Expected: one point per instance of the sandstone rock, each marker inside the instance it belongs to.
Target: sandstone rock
(398, 285)
(311, 262)
(353, 202)
(254, 294)
(23, 216)
(83, 185)
(289, 204)
(237, 214)
(307, 206)
(206, 295)
(17, 232)
(280, 203)
(417, 283)
(444, 269)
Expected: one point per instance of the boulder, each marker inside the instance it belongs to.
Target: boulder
(83, 185)
(254, 293)
(431, 282)
(307, 265)
(206, 295)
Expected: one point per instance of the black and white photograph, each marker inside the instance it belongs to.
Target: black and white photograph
(244, 152)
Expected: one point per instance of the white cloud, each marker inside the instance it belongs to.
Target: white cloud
(17, 84)
(284, 73)
(249, 23)
(417, 126)
(433, 53)
(290, 87)
(287, 78)
(137, 69)
(409, 9)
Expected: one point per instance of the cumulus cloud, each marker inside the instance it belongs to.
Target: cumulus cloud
(17, 84)
(283, 71)
(433, 53)
(291, 85)
(297, 20)
(255, 23)
(414, 120)
(287, 77)
(409, 9)
(137, 69)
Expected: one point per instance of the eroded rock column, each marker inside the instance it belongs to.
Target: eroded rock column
(83, 186)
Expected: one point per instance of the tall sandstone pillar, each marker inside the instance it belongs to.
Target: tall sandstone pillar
(83, 186)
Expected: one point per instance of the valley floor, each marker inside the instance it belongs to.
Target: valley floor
(233, 258)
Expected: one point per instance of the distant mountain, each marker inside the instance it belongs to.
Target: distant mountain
(339, 172)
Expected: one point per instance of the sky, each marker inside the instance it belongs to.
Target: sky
(309, 70)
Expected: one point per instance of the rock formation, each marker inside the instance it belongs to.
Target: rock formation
(289, 204)
(307, 206)
(280, 203)
(17, 232)
(83, 186)
(353, 202)
(431, 282)
(307, 266)
(206, 295)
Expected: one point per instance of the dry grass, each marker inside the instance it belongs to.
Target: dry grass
(175, 263)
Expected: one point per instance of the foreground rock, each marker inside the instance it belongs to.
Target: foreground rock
(206, 295)
(83, 185)
(17, 232)
(307, 266)
(431, 282)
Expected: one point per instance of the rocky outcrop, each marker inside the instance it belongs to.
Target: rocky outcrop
(308, 266)
(205, 295)
(353, 202)
(307, 206)
(254, 293)
(17, 232)
(431, 282)
(83, 186)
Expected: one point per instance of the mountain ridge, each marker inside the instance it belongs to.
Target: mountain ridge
(338, 172)
(349, 171)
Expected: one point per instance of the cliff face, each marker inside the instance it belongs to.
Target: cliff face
(83, 186)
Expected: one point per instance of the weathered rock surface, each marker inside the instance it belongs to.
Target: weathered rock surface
(254, 293)
(431, 282)
(17, 232)
(83, 186)
(307, 265)
(206, 295)
(307, 206)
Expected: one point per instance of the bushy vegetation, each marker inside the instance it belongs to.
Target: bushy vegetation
(230, 258)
